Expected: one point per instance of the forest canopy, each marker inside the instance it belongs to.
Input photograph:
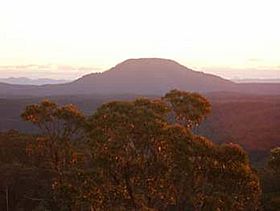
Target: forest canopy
(133, 155)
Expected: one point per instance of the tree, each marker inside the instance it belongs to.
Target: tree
(144, 156)
(22, 185)
(124, 147)
(274, 160)
(56, 148)
(60, 127)
(271, 181)
(145, 160)
(228, 181)
(189, 108)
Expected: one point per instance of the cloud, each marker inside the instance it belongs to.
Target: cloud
(255, 60)
(46, 71)
(261, 72)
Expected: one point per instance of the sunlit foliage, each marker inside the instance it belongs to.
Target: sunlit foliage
(142, 155)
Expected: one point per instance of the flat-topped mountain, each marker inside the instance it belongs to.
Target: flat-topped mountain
(146, 76)
(150, 76)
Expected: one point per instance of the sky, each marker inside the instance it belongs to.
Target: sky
(65, 39)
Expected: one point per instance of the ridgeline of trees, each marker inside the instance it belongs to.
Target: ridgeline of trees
(130, 155)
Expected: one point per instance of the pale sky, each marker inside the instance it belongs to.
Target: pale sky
(69, 38)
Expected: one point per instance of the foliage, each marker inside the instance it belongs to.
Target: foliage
(146, 161)
(55, 149)
(271, 181)
(138, 155)
(189, 108)
(22, 185)
(274, 160)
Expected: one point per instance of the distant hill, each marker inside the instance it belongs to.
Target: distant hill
(150, 76)
(257, 80)
(146, 76)
(28, 81)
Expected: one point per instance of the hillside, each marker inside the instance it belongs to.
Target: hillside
(250, 120)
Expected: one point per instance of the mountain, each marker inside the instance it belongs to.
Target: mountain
(150, 76)
(146, 76)
(28, 81)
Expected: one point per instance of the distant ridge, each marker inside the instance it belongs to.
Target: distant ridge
(144, 76)
(257, 80)
(28, 81)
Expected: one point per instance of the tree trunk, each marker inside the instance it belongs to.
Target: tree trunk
(7, 198)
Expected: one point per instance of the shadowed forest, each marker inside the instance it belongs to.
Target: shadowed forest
(136, 154)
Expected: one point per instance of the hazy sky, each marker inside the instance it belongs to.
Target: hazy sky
(68, 38)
